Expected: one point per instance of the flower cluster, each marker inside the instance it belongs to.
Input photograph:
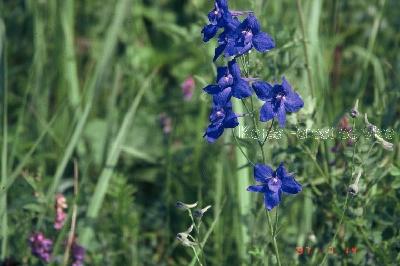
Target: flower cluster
(60, 206)
(41, 247)
(236, 39)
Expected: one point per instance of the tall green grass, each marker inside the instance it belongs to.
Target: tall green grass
(87, 80)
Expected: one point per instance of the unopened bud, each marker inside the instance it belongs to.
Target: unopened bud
(354, 111)
(353, 188)
(200, 212)
(385, 144)
(371, 128)
(183, 237)
(184, 206)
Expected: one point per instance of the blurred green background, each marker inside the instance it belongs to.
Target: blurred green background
(99, 82)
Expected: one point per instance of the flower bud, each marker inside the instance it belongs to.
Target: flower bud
(354, 111)
(371, 128)
(184, 206)
(200, 212)
(183, 237)
(353, 189)
(385, 144)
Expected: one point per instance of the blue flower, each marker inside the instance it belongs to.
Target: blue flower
(273, 183)
(279, 99)
(221, 117)
(229, 83)
(219, 17)
(227, 36)
(248, 35)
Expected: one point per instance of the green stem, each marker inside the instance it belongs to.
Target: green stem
(197, 257)
(3, 88)
(240, 148)
(274, 239)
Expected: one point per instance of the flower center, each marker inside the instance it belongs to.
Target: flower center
(219, 113)
(281, 97)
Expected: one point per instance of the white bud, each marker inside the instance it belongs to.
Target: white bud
(184, 206)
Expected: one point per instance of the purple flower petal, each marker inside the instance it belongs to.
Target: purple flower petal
(234, 69)
(212, 89)
(213, 132)
(281, 114)
(290, 185)
(272, 199)
(257, 188)
(263, 42)
(263, 90)
(209, 32)
(266, 112)
(241, 89)
(281, 171)
(231, 120)
(262, 172)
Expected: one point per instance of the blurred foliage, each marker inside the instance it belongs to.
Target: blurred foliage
(55, 50)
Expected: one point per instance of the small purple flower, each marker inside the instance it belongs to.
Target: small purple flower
(221, 117)
(248, 35)
(229, 83)
(187, 88)
(273, 183)
(166, 123)
(41, 247)
(78, 254)
(279, 99)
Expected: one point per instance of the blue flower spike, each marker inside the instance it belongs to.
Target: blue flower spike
(279, 99)
(273, 183)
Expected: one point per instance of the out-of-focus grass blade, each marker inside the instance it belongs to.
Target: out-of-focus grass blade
(70, 67)
(243, 196)
(113, 155)
(138, 154)
(3, 89)
(102, 66)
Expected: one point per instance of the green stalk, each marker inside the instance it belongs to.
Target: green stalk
(69, 61)
(243, 197)
(112, 159)
(273, 238)
(3, 88)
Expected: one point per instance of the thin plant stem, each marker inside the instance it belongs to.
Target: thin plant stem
(74, 214)
(240, 148)
(197, 257)
(346, 201)
(274, 239)
(4, 152)
(197, 228)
